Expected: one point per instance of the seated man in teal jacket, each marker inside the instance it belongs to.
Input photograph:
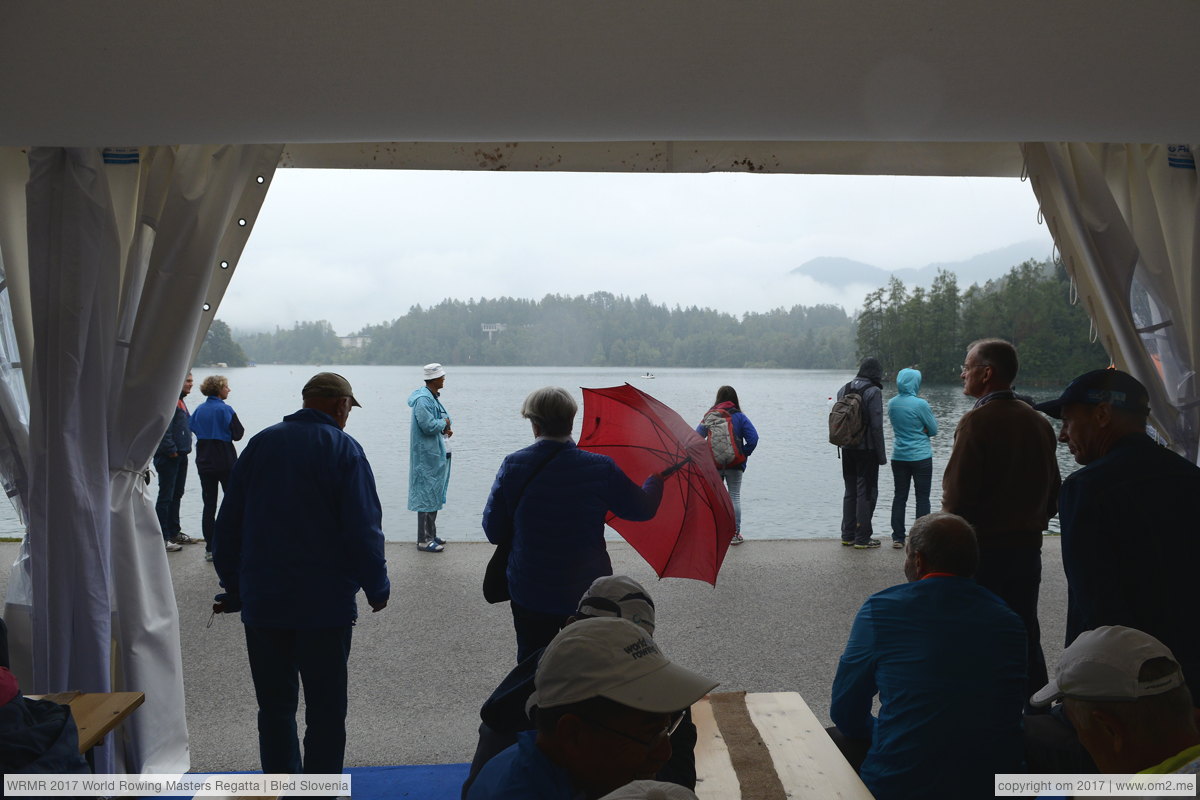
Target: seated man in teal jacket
(947, 659)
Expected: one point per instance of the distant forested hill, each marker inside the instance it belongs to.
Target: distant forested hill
(600, 329)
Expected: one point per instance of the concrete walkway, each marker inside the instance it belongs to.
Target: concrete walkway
(776, 621)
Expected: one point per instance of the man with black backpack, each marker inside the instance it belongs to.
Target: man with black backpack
(856, 427)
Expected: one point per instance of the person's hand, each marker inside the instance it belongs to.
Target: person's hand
(377, 605)
(227, 603)
(446, 431)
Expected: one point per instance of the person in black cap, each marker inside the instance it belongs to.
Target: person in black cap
(299, 533)
(1129, 521)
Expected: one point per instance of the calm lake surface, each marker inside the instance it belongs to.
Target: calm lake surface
(792, 488)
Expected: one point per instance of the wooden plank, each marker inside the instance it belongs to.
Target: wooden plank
(715, 778)
(808, 762)
(97, 713)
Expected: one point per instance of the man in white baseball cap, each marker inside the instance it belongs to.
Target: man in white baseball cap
(605, 705)
(1125, 694)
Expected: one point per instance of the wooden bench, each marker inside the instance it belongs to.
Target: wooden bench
(96, 713)
(768, 746)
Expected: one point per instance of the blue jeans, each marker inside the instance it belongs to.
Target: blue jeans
(920, 473)
(279, 659)
(1014, 574)
(172, 477)
(860, 474)
(733, 481)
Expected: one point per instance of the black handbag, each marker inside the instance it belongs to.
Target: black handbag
(495, 576)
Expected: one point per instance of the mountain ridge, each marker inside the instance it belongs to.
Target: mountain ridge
(843, 272)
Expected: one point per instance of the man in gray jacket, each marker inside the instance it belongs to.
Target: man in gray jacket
(861, 462)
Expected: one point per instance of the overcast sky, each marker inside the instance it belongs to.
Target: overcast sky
(362, 247)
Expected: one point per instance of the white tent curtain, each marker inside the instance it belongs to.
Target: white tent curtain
(129, 254)
(1126, 218)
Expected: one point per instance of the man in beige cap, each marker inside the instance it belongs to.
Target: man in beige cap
(1125, 694)
(298, 535)
(605, 705)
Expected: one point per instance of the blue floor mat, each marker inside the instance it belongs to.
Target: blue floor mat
(420, 782)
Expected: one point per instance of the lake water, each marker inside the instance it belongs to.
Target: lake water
(792, 488)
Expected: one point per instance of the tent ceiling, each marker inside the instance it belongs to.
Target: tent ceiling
(311, 71)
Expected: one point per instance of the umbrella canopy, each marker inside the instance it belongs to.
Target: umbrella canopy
(690, 533)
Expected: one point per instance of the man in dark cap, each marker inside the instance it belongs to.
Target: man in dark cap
(861, 460)
(1129, 521)
(298, 535)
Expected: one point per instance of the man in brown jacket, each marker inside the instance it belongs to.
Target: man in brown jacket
(1003, 478)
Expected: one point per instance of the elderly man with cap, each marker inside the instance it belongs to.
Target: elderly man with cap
(299, 533)
(1124, 692)
(428, 457)
(503, 713)
(1129, 521)
(605, 705)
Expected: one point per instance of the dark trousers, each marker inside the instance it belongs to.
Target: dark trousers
(854, 750)
(860, 473)
(280, 658)
(172, 477)
(534, 629)
(426, 526)
(920, 474)
(209, 481)
(1015, 576)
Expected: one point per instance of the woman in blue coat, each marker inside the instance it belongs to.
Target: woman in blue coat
(217, 427)
(912, 456)
(745, 440)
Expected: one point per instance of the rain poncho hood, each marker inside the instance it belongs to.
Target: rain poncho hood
(912, 420)
(428, 466)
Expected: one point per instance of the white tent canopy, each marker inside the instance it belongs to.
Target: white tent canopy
(112, 272)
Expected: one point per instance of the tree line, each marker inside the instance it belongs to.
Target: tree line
(929, 329)
(926, 328)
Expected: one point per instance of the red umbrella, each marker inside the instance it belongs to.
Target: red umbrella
(690, 533)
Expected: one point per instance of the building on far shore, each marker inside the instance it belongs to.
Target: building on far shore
(354, 342)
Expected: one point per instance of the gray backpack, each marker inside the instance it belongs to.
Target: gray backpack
(726, 449)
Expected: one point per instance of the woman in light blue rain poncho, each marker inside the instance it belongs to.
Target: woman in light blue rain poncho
(428, 460)
(912, 456)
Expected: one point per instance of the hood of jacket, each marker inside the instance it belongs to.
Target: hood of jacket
(872, 370)
(908, 381)
(417, 394)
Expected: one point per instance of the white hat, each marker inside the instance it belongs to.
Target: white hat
(434, 371)
(1103, 665)
(613, 658)
(618, 596)
(651, 790)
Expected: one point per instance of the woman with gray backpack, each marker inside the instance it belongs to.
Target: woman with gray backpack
(733, 438)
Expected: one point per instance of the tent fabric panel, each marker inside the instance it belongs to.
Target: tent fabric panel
(1126, 218)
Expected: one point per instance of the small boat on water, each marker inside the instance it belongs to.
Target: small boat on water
(648, 376)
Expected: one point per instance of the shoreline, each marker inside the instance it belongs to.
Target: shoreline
(419, 670)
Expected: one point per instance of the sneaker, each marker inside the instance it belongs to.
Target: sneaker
(208, 555)
(870, 545)
(183, 538)
(172, 547)
(438, 540)
(847, 543)
(431, 547)
(737, 539)
(897, 545)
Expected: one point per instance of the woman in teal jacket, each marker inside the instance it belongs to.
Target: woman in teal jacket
(912, 455)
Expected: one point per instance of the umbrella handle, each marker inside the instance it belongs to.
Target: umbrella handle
(671, 470)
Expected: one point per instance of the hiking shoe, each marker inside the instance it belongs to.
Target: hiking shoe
(847, 543)
(172, 547)
(183, 538)
(431, 547)
(897, 545)
(870, 545)
(737, 539)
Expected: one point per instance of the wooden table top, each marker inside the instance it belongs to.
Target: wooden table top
(96, 713)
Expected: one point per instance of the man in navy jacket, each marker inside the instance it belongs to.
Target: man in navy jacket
(298, 535)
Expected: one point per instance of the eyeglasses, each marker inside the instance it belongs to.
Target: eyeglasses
(966, 367)
(671, 726)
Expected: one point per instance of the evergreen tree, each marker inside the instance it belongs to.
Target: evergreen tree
(220, 348)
